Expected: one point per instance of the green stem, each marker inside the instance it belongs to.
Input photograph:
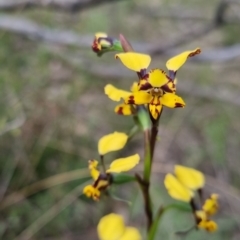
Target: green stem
(147, 157)
(161, 211)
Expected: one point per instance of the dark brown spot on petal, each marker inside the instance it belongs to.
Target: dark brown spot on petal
(120, 111)
(131, 100)
(95, 46)
(195, 53)
(166, 88)
(178, 105)
(145, 86)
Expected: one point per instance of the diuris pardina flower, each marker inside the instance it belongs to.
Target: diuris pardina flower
(103, 43)
(117, 94)
(183, 187)
(155, 88)
(112, 227)
(108, 143)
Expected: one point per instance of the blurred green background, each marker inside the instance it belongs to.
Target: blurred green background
(53, 111)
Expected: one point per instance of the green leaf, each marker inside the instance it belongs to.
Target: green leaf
(122, 178)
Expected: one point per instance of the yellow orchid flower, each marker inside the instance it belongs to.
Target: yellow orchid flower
(103, 180)
(156, 98)
(204, 222)
(209, 208)
(112, 142)
(112, 227)
(181, 188)
(117, 94)
(100, 41)
(139, 63)
(103, 43)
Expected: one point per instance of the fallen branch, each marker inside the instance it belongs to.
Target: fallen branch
(36, 32)
(57, 5)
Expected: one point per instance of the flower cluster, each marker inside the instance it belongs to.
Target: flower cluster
(154, 89)
(185, 186)
(102, 180)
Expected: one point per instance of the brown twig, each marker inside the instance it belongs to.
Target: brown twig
(68, 5)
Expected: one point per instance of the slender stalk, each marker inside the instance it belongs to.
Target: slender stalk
(147, 157)
(154, 227)
(144, 120)
(147, 200)
(102, 163)
(154, 132)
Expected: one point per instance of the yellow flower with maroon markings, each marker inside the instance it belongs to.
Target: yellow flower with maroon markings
(103, 43)
(117, 94)
(184, 186)
(112, 227)
(209, 208)
(186, 178)
(156, 98)
(100, 42)
(203, 221)
(139, 63)
(103, 180)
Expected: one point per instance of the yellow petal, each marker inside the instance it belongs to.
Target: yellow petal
(112, 142)
(155, 110)
(100, 35)
(208, 225)
(114, 93)
(176, 190)
(157, 78)
(172, 100)
(124, 164)
(91, 192)
(134, 87)
(94, 173)
(92, 165)
(211, 205)
(189, 177)
(138, 98)
(111, 227)
(131, 233)
(134, 61)
(124, 109)
(201, 215)
(101, 184)
(176, 62)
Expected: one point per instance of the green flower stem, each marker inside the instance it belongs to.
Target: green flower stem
(161, 211)
(154, 227)
(147, 200)
(147, 157)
